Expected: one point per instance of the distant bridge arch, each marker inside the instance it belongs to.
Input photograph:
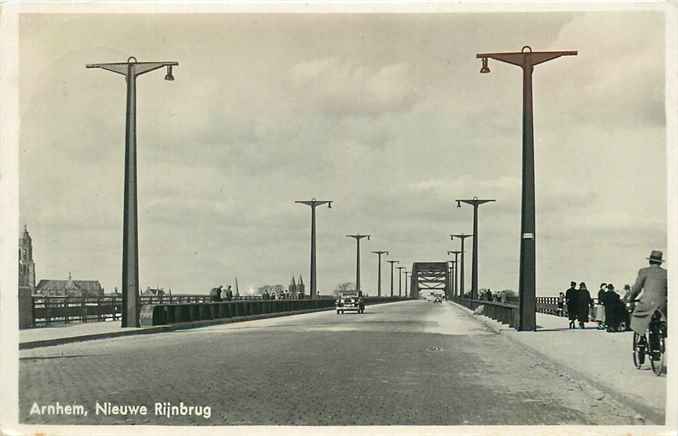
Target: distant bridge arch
(430, 276)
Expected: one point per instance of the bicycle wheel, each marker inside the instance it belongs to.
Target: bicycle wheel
(638, 351)
(658, 357)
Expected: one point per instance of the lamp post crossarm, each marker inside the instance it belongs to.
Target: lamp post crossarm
(314, 203)
(524, 59)
(116, 68)
(474, 201)
(139, 67)
(358, 236)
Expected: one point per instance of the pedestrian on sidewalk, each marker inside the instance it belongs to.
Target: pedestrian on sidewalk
(599, 310)
(611, 302)
(601, 292)
(627, 313)
(571, 302)
(583, 303)
(652, 282)
(561, 303)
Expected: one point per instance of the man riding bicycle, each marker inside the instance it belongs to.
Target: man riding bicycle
(652, 281)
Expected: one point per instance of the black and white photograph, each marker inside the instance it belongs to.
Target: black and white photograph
(337, 217)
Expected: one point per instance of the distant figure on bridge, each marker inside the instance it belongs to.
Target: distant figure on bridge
(215, 293)
(489, 295)
(652, 282)
(229, 294)
(571, 302)
(561, 304)
(583, 303)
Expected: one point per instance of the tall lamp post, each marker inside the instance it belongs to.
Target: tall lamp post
(526, 59)
(357, 238)
(313, 204)
(130, 231)
(474, 263)
(453, 276)
(392, 262)
(450, 273)
(456, 268)
(400, 280)
(406, 286)
(379, 253)
(462, 237)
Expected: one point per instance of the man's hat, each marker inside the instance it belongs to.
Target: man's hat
(656, 256)
(573, 283)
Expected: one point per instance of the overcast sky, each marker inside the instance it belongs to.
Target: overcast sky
(387, 115)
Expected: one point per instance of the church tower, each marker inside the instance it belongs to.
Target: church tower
(26, 264)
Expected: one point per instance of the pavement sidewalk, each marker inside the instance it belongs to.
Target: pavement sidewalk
(604, 359)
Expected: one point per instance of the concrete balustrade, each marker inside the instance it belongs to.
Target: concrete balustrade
(162, 314)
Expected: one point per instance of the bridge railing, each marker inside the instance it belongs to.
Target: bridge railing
(52, 310)
(549, 305)
(161, 314)
(502, 312)
(58, 310)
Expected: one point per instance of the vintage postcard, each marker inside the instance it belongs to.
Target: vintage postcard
(252, 218)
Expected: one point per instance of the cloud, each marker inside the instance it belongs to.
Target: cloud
(345, 87)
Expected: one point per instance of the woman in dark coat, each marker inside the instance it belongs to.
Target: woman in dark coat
(571, 302)
(583, 302)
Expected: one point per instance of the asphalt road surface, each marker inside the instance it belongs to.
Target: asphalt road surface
(402, 363)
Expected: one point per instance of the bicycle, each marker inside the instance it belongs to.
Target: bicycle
(652, 343)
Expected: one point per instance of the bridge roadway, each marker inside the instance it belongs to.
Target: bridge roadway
(401, 363)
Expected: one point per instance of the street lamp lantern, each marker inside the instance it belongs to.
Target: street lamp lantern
(475, 202)
(313, 203)
(169, 76)
(130, 231)
(485, 69)
(526, 59)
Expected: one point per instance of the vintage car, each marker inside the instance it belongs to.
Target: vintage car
(350, 302)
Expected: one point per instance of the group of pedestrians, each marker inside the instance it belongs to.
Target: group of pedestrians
(611, 311)
(578, 302)
(218, 294)
(282, 295)
(612, 308)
